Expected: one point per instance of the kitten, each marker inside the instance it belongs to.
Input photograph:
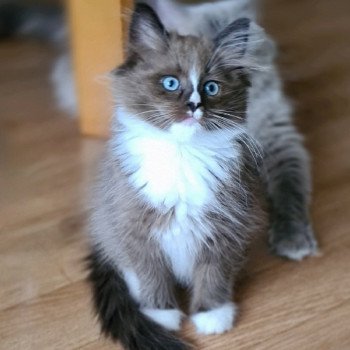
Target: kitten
(181, 194)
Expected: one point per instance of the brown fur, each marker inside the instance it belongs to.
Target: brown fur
(127, 221)
(123, 222)
(153, 56)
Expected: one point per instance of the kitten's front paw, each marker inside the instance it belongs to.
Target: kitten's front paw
(215, 321)
(292, 240)
(168, 318)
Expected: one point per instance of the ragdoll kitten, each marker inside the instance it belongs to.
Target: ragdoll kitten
(181, 191)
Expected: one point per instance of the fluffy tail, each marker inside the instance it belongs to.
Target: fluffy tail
(119, 314)
(41, 22)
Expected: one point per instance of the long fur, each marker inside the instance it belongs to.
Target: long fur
(201, 19)
(269, 121)
(181, 189)
(119, 314)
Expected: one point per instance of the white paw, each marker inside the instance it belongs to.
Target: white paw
(300, 254)
(168, 318)
(215, 321)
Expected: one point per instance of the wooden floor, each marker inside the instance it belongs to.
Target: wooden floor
(45, 168)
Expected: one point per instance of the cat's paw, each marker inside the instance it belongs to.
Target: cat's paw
(215, 321)
(168, 318)
(292, 240)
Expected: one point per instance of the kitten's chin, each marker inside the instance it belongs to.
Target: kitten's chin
(189, 121)
(184, 130)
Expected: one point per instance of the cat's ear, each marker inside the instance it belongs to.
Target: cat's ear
(233, 40)
(146, 30)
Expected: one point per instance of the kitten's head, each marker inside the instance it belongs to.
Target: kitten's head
(168, 79)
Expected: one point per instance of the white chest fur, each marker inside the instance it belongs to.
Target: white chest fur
(180, 166)
(181, 250)
(176, 169)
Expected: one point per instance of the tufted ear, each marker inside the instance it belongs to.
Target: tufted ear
(146, 30)
(233, 40)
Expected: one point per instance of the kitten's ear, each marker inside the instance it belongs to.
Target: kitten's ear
(146, 30)
(234, 38)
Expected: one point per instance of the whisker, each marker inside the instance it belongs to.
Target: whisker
(249, 142)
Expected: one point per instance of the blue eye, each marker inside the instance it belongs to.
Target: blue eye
(170, 83)
(211, 88)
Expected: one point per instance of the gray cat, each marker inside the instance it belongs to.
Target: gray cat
(202, 135)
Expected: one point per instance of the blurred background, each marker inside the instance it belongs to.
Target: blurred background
(48, 155)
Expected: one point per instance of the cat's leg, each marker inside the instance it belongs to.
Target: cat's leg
(121, 317)
(213, 311)
(289, 188)
(151, 285)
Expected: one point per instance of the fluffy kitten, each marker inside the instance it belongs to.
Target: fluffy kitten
(180, 194)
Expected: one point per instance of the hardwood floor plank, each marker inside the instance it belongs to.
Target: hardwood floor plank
(53, 258)
(58, 320)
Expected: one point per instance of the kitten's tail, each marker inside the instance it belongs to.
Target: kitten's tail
(119, 314)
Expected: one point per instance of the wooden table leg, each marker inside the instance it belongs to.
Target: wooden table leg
(96, 29)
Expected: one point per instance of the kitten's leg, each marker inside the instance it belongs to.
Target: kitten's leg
(289, 187)
(213, 311)
(151, 286)
(118, 312)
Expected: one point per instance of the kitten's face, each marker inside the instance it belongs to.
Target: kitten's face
(169, 79)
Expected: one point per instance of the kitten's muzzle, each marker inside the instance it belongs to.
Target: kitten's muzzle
(193, 106)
